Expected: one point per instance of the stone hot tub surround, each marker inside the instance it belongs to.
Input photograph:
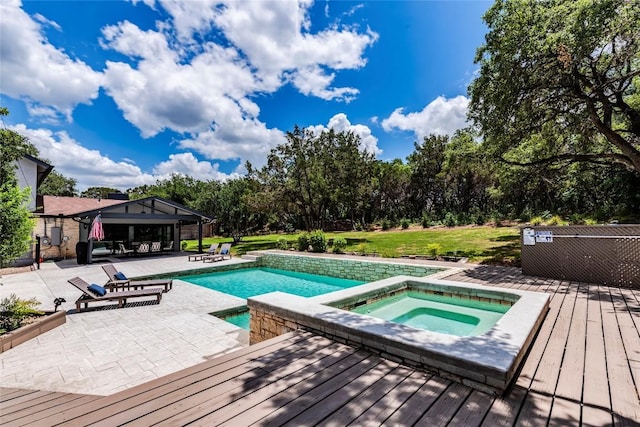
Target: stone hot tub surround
(487, 362)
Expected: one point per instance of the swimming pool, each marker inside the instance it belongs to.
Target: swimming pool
(442, 314)
(250, 282)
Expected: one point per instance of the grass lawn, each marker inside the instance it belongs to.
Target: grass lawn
(481, 244)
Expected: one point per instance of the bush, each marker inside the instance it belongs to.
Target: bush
(480, 219)
(556, 220)
(339, 245)
(318, 241)
(405, 224)
(433, 249)
(426, 221)
(303, 242)
(282, 244)
(536, 220)
(386, 224)
(359, 227)
(14, 311)
(450, 220)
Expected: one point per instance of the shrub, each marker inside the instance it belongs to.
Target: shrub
(339, 245)
(426, 221)
(386, 224)
(405, 224)
(433, 249)
(359, 227)
(318, 241)
(303, 242)
(536, 220)
(590, 221)
(480, 219)
(282, 244)
(14, 311)
(556, 220)
(450, 220)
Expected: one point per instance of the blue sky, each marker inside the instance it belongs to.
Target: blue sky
(121, 94)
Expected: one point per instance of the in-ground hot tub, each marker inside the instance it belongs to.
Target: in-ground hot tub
(487, 361)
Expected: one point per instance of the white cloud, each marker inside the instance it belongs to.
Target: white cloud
(91, 168)
(187, 164)
(340, 123)
(38, 72)
(441, 117)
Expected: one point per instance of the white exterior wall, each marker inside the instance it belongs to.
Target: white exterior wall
(27, 174)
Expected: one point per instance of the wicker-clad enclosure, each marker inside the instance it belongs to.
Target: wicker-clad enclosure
(605, 254)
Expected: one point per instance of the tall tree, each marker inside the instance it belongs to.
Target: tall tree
(426, 189)
(57, 184)
(565, 74)
(15, 222)
(98, 192)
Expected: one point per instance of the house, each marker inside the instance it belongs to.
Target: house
(64, 224)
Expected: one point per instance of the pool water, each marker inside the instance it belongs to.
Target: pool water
(250, 282)
(255, 281)
(447, 315)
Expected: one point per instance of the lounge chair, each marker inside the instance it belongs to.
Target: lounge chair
(168, 248)
(225, 250)
(124, 251)
(211, 251)
(89, 296)
(117, 281)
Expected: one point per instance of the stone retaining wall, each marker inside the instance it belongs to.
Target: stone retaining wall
(366, 271)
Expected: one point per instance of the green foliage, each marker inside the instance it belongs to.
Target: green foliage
(426, 221)
(405, 223)
(536, 220)
(556, 220)
(386, 224)
(339, 245)
(318, 241)
(434, 249)
(14, 311)
(56, 184)
(450, 220)
(282, 244)
(558, 82)
(98, 192)
(303, 242)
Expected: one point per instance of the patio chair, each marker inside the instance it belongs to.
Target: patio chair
(156, 247)
(124, 251)
(92, 293)
(143, 248)
(168, 248)
(211, 251)
(118, 281)
(225, 250)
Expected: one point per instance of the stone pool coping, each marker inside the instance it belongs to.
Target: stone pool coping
(487, 362)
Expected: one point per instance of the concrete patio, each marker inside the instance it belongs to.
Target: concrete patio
(105, 349)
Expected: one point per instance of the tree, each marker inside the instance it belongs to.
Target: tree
(563, 77)
(98, 192)
(57, 184)
(15, 222)
(426, 189)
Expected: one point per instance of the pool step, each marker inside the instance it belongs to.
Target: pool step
(251, 257)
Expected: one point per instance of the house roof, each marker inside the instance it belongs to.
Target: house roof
(69, 206)
(43, 168)
(147, 209)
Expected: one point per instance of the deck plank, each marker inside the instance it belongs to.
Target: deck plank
(364, 401)
(255, 402)
(596, 384)
(418, 403)
(391, 401)
(474, 409)
(504, 410)
(221, 384)
(570, 381)
(446, 407)
(565, 413)
(596, 417)
(624, 394)
(535, 411)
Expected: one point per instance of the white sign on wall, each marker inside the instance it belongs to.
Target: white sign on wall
(544, 236)
(528, 237)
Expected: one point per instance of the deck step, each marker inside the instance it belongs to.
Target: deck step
(251, 257)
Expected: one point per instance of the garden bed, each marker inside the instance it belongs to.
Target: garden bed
(44, 323)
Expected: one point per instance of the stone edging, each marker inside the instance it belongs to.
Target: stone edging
(48, 322)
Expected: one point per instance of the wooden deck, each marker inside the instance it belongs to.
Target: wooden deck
(583, 369)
